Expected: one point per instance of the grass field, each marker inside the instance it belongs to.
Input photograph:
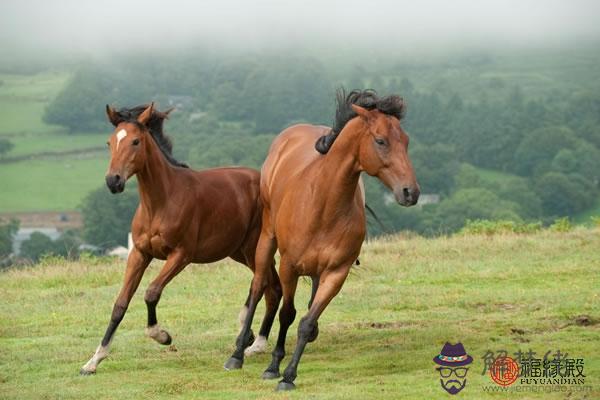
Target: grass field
(23, 99)
(50, 184)
(377, 338)
(44, 183)
(33, 144)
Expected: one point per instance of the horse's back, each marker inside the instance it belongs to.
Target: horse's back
(291, 152)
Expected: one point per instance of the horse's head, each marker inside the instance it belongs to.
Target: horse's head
(383, 153)
(127, 146)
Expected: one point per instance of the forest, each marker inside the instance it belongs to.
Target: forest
(500, 136)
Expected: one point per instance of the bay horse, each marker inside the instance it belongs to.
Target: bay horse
(184, 216)
(314, 209)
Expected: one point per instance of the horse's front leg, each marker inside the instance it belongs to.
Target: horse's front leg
(176, 262)
(136, 265)
(330, 283)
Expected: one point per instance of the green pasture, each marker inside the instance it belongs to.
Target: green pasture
(377, 338)
(52, 142)
(23, 99)
(50, 184)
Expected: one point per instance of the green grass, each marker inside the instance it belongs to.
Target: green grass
(50, 184)
(23, 99)
(46, 183)
(377, 338)
(30, 144)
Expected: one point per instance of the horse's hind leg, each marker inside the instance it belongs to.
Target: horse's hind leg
(173, 266)
(265, 251)
(136, 265)
(272, 299)
(289, 282)
(315, 286)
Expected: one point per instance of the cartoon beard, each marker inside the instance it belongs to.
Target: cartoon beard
(453, 386)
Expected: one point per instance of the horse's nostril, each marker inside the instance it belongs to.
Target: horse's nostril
(117, 178)
(406, 192)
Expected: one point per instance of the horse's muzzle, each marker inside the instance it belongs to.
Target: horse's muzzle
(407, 196)
(115, 183)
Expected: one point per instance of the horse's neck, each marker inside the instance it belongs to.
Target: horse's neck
(339, 171)
(155, 180)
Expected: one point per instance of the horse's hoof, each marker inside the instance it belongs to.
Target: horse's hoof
(85, 372)
(314, 334)
(166, 341)
(159, 335)
(285, 386)
(233, 363)
(271, 374)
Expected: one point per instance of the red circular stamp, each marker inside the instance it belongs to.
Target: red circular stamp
(504, 371)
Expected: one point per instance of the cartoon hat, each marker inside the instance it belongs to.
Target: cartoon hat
(453, 355)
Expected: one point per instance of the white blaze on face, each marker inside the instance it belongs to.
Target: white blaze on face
(120, 136)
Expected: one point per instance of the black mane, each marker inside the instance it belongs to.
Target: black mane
(155, 127)
(390, 105)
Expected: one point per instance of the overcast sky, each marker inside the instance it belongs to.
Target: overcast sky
(89, 26)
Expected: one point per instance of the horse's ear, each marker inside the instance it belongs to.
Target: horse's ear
(361, 111)
(113, 116)
(164, 114)
(169, 111)
(144, 117)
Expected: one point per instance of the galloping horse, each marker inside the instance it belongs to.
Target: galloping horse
(184, 216)
(314, 209)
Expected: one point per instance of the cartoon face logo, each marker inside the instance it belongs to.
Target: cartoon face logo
(452, 361)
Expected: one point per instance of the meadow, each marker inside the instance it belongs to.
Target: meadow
(377, 339)
(52, 183)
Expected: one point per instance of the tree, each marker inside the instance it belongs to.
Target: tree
(5, 146)
(107, 217)
(452, 213)
(564, 195)
(7, 232)
(67, 245)
(435, 167)
(537, 150)
(37, 246)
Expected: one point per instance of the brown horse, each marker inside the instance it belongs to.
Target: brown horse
(184, 216)
(314, 209)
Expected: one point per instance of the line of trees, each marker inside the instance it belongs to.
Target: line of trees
(545, 150)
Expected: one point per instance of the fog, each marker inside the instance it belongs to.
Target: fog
(100, 26)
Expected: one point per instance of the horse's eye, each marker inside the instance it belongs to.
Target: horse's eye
(136, 142)
(380, 141)
(108, 144)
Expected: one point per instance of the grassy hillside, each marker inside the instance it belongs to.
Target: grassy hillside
(23, 99)
(50, 184)
(39, 177)
(377, 340)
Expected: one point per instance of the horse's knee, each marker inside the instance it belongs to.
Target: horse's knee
(306, 328)
(152, 295)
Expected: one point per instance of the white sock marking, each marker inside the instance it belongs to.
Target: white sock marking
(100, 354)
(120, 136)
(259, 346)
